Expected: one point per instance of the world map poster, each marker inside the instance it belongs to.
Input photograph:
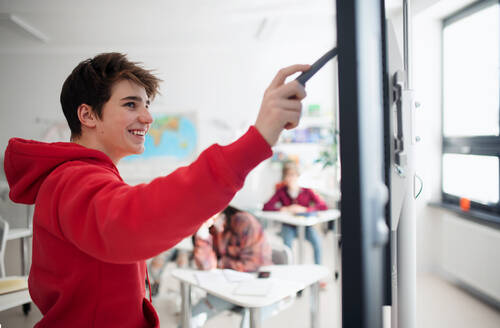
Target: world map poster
(170, 136)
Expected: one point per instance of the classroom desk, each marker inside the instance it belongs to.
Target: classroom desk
(301, 222)
(285, 280)
(13, 299)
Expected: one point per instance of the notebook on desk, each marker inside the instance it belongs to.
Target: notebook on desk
(222, 276)
(307, 214)
(12, 284)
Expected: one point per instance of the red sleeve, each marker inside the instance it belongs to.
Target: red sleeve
(115, 222)
(318, 202)
(271, 204)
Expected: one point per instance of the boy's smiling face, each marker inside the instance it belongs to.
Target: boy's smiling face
(125, 120)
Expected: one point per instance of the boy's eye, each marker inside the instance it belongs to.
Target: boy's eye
(130, 104)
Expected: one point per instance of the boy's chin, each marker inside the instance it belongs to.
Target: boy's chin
(138, 150)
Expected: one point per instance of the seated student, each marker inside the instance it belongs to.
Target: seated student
(235, 241)
(289, 197)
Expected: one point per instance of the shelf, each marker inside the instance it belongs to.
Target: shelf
(315, 121)
(299, 145)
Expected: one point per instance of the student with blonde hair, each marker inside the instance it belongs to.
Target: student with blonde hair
(291, 198)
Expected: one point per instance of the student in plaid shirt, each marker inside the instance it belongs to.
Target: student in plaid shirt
(235, 240)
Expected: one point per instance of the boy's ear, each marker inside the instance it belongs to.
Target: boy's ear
(87, 116)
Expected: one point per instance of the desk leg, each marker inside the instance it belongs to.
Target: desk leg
(255, 318)
(25, 268)
(315, 305)
(186, 305)
(302, 237)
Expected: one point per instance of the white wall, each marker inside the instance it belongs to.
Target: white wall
(427, 86)
(221, 84)
(447, 243)
(459, 250)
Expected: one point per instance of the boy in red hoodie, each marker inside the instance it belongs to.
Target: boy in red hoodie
(91, 231)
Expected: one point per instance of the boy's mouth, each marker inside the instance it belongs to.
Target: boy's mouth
(138, 132)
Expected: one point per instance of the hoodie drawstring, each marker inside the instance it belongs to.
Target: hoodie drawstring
(149, 284)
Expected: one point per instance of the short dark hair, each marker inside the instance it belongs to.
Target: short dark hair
(229, 211)
(91, 82)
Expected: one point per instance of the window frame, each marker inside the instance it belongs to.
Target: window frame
(486, 145)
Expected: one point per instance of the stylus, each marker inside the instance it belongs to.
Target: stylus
(304, 77)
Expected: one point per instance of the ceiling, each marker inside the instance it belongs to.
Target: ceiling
(155, 23)
(64, 24)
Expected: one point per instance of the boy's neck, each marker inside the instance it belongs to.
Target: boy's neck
(91, 143)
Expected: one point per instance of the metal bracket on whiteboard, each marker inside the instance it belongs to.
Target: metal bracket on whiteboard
(400, 156)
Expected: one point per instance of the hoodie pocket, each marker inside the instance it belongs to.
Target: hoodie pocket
(150, 313)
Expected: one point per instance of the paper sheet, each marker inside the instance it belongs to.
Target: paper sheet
(237, 276)
(256, 287)
(205, 278)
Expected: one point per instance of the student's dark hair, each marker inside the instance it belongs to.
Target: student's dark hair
(230, 211)
(91, 82)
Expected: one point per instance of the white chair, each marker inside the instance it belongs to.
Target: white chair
(23, 297)
(4, 230)
(281, 253)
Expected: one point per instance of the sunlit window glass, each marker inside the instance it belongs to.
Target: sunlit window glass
(471, 176)
(471, 74)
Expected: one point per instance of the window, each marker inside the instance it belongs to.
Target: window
(471, 110)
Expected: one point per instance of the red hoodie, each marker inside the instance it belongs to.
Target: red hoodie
(92, 232)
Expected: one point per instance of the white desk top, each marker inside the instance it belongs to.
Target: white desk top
(297, 220)
(285, 280)
(10, 300)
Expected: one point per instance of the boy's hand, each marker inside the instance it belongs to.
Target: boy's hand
(281, 105)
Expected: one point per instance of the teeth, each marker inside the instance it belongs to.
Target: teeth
(138, 132)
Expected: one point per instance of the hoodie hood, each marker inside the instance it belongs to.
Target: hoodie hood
(27, 163)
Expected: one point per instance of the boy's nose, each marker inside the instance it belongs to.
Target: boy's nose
(145, 116)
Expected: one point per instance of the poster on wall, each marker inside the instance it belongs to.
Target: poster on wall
(174, 136)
